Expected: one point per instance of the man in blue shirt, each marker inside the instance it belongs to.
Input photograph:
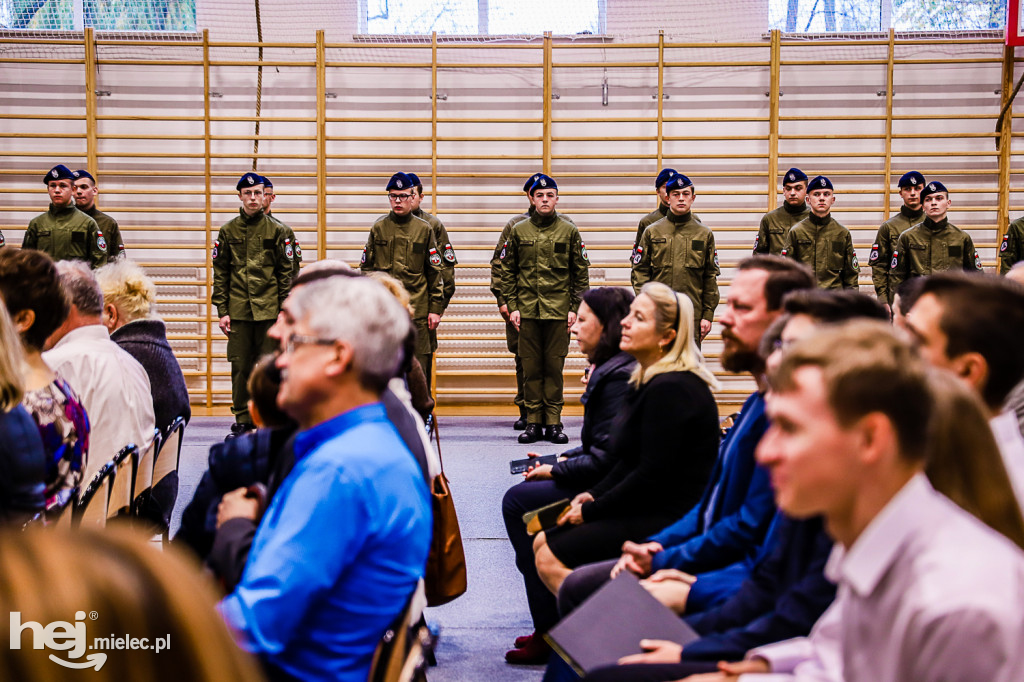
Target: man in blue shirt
(344, 542)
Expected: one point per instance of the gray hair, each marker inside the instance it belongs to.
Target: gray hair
(80, 283)
(363, 314)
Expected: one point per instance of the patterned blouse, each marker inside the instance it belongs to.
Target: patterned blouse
(64, 426)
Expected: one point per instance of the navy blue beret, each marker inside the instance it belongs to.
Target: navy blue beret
(58, 172)
(679, 181)
(933, 187)
(267, 184)
(530, 180)
(415, 179)
(820, 182)
(249, 180)
(399, 181)
(79, 174)
(794, 175)
(543, 182)
(664, 176)
(911, 179)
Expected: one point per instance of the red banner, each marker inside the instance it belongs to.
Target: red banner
(1014, 23)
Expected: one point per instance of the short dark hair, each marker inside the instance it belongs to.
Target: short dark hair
(29, 281)
(909, 291)
(264, 383)
(983, 314)
(784, 275)
(610, 305)
(836, 305)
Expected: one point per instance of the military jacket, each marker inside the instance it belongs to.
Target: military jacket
(292, 250)
(771, 235)
(405, 248)
(496, 257)
(112, 233)
(444, 246)
(679, 251)
(252, 271)
(645, 222)
(884, 246)
(544, 268)
(67, 234)
(932, 247)
(1011, 248)
(826, 247)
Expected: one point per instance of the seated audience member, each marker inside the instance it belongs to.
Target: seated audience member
(239, 463)
(130, 591)
(22, 458)
(314, 609)
(849, 439)
(973, 326)
(112, 384)
(129, 299)
(663, 444)
(736, 508)
(38, 305)
(904, 299)
(598, 333)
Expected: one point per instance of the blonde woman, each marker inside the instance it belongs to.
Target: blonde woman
(664, 442)
(129, 303)
(22, 458)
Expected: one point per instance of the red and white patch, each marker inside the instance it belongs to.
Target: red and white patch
(895, 259)
(362, 261)
(638, 255)
(435, 258)
(874, 254)
(1002, 247)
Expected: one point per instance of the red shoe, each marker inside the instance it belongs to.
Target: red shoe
(525, 640)
(537, 652)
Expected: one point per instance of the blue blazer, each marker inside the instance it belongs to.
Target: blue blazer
(742, 508)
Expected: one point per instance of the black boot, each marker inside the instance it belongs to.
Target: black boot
(520, 424)
(531, 434)
(554, 434)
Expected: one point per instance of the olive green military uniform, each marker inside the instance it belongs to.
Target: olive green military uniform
(679, 251)
(775, 224)
(645, 222)
(108, 226)
(511, 333)
(826, 247)
(292, 249)
(67, 234)
(448, 263)
(405, 248)
(932, 247)
(885, 245)
(252, 275)
(1011, 249)
(544, 272)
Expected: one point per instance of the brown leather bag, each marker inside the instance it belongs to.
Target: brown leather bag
(446, 564)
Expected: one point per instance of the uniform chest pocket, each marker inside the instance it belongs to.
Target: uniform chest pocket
(695, 257)
(661, 252)
(269, 255)
(527, 251)
(837, 255)
(412, 255)
(955, 251)
(776, 229)
(560, 256)
(78, 237)
(918, 247)
(381, 254)
(237, 249)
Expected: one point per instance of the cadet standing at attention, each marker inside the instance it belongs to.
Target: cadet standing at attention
(889, 233)
(64, 232)
(444, 245)
(544, 272)
(679, 251)
(771, 236)
(934, 244)
(292, 249)
(657, 214)
(252, 275)
(821, 243)
(86, 190)
(403, 246)
(1011, 249)
(511, 333)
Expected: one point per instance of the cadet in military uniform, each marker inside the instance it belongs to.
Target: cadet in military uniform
(444, 244)
(657, 214)
(252, 275)
(544, 272)
(64, 232)
(889, 233)
(821, 243)
(85, 201)
(679, 251)
(403, 246)
(292, 248)
(1011, 249)
(511, 333)
(771, 235)
(934, 244)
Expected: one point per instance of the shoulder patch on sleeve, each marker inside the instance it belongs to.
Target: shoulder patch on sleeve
(362, 261)
(1002, 247)
(504, 250)
(101, 241)
(435, 257)
(4, 241)
(757, 240)
(784, 252)
(855, 262)
(449, 253)
(977, 262)
(874, 254)
(216, 248)
(638, 255)
(716, 258)
(583, 251)
(895, 259)
(289, 252)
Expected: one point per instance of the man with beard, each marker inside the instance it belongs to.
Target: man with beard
(736, 508)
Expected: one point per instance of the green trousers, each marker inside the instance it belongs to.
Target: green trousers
(247, 343)
(543, 345)
(512, 341)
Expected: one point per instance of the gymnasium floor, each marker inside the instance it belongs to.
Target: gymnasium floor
(477, 628)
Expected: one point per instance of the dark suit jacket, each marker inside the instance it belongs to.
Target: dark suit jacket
(785, 595)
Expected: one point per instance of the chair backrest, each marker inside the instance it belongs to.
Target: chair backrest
(399, 654)
(91, 508)
(122, 489)
(147, 458)
(170, 451)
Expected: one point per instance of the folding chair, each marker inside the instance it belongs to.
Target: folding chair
(144, 474)
(122, 489)
(165, 472)
(399, 656)
(91, 508)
